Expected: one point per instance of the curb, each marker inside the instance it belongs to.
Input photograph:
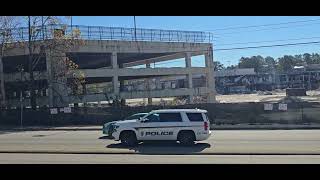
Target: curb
(264, 128)
(200, 153)
(53, 129)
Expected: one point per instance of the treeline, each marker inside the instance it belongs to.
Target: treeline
(270, 64)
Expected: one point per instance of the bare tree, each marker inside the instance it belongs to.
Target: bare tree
(49, 35)
(7, 23)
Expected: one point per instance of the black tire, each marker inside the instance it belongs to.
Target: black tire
(186, 138)
(128, 138)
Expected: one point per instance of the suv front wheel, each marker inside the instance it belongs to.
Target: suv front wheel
(186, 138)
(128, 138)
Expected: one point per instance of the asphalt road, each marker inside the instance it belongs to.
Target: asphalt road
(11, 158)
(222, 142)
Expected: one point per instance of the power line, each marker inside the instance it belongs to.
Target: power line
(251, 47)
(255, 47)
(256, 30)
(263, 25)
(268, 41)
(266, 46)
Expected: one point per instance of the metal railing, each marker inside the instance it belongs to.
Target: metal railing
(112, 33)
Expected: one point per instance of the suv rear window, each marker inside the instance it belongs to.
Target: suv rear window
(195, 117)
(170, 117)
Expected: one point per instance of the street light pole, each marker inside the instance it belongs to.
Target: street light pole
(21, 104)
(71, 26)
(21, 110)
(42, 27)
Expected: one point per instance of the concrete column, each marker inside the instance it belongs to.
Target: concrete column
(149, 85)
(190, 86)
(115, 83)
(188, 59)
(207, 59)
(149, 101)
(58, 91)
(84, 88)
(158, 84)
(2, 91)
(189, 76)
(121, 85)
(210, 77)
(49, 79)
(114, 60)
(121, 81)
(115, 78)
(123, 101)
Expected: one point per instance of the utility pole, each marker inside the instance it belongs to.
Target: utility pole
(71, 26)
(302, 119)
(135, 28)
(21, 100)
(30, 58)
(42, 27)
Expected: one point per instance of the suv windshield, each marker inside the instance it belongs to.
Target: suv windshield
(135, 116)
(154, 117)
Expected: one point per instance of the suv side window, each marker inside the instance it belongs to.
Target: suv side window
(195, 117)
(153, 118)
(170, 117)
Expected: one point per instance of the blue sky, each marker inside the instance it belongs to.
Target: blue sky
(295, 29)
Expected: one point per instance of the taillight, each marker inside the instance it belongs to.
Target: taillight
(205, 126)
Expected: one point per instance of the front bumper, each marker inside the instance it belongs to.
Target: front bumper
(108, 131)
(105, 130)
(109, 137)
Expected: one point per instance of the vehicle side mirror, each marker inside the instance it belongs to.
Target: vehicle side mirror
(142, 119)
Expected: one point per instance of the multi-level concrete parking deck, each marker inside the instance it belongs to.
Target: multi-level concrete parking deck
(108, 56)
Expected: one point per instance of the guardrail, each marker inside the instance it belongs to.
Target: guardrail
(112, 33)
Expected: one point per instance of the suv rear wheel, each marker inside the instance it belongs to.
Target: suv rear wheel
(186, 138)
(128, 138)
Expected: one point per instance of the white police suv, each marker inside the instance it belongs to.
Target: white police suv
(183, 125)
